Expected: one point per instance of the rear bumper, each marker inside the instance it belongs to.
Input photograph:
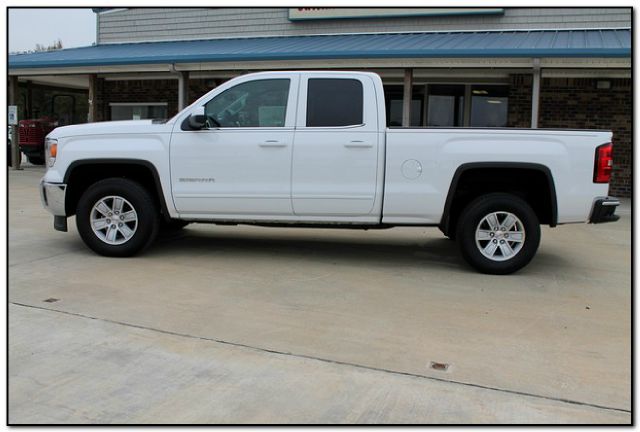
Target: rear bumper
(604, 209)
(52, 196)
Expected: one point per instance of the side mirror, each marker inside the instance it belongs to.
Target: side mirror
(197, 118)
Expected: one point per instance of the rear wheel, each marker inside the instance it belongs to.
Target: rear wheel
(117, 217)
(498, 233)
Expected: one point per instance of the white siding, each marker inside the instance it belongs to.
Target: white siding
(154, 24)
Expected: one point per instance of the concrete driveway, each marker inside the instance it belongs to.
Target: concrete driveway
(252, 325)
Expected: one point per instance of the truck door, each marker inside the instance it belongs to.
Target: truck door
(239, 166)
(335, 154)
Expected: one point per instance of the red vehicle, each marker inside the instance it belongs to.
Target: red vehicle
(31, 134)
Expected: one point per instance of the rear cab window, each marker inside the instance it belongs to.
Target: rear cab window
(334, 102)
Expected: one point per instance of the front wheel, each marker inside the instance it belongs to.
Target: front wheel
(117, 217)
(498, 233)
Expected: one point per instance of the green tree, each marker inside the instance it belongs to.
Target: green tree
(57, 45)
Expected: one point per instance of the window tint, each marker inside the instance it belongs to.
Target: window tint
(334, 102)
(261, 103)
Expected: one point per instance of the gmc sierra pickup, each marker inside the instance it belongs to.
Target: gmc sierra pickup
(312, 149)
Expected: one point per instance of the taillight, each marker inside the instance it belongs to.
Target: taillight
(604, 163)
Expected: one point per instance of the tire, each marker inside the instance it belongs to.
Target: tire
(490, 251)
(35, 160)
(133, 232)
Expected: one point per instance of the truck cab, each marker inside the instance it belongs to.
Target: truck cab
(285, 146)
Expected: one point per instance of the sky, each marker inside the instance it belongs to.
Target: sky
(28, 27)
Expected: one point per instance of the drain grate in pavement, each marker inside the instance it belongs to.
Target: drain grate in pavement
(442, 367)
(51, 300)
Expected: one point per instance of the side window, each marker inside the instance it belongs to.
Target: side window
(260, 103)
(334, 102)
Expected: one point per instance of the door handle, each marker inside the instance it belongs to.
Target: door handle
(272, 143)
(358, 144)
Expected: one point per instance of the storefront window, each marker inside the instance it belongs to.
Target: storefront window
(134, 111)
(59, 105)
(446, 105)
(393, 103)
(451, 105)
(489, 105)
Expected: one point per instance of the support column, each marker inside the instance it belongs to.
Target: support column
(425, 102)
(183, 90)
(535, 96)
(92, 116)
(29, 107)
(15, 146)
(406, 98)
(466, 120)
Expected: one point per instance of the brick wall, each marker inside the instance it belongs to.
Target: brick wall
(101, 100)
(148, 91)
(136, 91)
(199, 87)
(577, 103)
(520, 101)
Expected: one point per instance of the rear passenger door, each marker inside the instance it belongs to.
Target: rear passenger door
(335, 153)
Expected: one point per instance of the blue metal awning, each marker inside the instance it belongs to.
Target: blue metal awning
(537, 43)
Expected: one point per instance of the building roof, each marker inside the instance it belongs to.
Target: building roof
(517, 43)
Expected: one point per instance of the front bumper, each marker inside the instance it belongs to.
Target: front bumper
(52, 196)
(604, 209)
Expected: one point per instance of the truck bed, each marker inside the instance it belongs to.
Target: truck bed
(432, 156)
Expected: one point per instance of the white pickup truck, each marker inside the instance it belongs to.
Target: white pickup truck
(312, 149)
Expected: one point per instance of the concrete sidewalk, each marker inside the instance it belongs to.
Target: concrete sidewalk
(93, 371)
(251, 325)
